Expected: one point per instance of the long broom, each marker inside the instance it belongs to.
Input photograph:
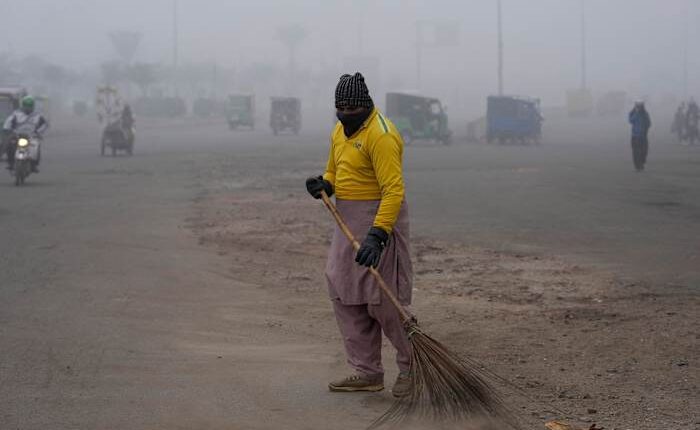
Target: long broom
(444, 386)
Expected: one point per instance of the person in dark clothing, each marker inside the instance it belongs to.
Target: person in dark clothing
(641, 122)
(692, 117)
(128, 123)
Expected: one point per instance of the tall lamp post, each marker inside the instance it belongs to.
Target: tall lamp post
(500, 51)
(584, 82)
(685, 50)
(175, 47)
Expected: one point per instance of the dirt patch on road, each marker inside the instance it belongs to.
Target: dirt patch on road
(620, 354)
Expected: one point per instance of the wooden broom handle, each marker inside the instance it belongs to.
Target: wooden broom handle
(405, 316)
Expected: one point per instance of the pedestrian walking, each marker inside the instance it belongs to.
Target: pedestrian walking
(641, 122)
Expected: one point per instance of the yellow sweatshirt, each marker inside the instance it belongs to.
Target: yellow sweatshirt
(367, 166)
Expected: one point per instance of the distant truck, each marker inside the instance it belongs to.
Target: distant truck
(417, 117)
(514, 119)
(285, 114)
(240, 111)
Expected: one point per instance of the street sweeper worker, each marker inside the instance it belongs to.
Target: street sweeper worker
(364, 172)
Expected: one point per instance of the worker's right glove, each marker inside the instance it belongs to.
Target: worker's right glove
(314, 185)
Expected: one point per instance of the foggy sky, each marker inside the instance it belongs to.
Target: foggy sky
(632, 45)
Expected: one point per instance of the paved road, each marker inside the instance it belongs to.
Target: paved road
(584, 202)
(112, 316)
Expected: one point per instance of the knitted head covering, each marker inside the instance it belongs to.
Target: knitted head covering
(352, 91)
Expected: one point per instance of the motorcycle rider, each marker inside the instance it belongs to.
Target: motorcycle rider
(678, 126)
(26, 120)
(128, 123)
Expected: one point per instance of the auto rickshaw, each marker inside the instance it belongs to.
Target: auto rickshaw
(285, 114)
(9, 102)
(514, 119)
(418, 117)
(116, 137)
(240, 111)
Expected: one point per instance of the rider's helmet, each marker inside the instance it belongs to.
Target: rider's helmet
(27, 104)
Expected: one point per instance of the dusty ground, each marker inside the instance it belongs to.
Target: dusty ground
(183, 288)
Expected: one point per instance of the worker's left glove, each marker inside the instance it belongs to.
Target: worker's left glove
(371, 249)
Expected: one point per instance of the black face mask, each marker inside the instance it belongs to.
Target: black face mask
(352, 122)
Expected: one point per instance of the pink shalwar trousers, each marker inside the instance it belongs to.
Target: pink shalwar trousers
(360, 308)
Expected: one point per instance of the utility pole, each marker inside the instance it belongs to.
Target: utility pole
(584, 82)
(175, 46)
(500, 51)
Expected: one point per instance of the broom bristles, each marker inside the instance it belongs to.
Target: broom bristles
(445, 387)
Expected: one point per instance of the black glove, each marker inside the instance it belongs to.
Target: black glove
(315, 185)
(371, 249)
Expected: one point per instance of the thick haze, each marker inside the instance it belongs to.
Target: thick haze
(632, 45)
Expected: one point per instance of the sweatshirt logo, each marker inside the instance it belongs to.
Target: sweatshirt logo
(357, 145)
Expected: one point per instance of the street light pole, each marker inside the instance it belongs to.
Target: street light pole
(175, 46)
(419, 43)
(685, 50)
(500, 51)
(583, 46)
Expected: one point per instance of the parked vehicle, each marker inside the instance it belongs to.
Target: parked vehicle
(9, 101)
(285, 114)
(418, 117)
(27, 153)
(115, 137)
(240, 111)
(514, 119)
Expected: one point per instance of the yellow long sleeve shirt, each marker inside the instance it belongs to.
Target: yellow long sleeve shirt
(368, 166)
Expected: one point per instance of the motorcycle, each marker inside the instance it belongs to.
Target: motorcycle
(26, 155)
